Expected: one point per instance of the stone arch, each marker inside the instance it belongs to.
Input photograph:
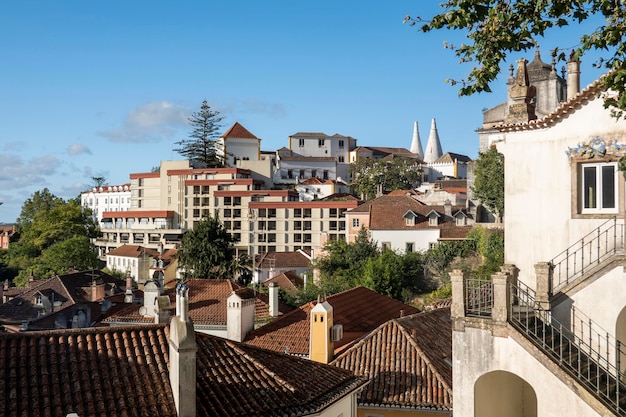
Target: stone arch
(620, 335)
(501, 393)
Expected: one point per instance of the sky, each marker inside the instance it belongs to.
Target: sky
(104, 89)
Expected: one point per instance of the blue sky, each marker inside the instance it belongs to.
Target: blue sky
(105, 88)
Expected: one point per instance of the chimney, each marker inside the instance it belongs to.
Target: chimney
(321, 347)
(240, 312)
(150, 293)
(273, 299)
(182, 356)
(573, 76)
(447, 208)
(162, 309)
(128, 297)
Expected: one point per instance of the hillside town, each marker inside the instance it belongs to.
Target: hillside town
(181, 345)
(328, 278)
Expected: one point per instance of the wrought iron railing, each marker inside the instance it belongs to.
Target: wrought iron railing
(600, 244)
(478, 297)
(593, 368)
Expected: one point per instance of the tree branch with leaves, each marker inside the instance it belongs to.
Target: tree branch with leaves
(496, 28)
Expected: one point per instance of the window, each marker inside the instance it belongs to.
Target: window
(410, 221)
(599, 188)
(228, 201)
(408, 247)
(460, 221)
(386, 246)
(432, 221)
(325, 174)
(340, 145)
(320, 143)
(341, 158)
(237, 201)
(301, 143)
(356, 223)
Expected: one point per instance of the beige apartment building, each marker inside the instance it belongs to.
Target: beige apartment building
(166, 203)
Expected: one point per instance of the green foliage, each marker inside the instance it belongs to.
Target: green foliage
(384, 274)
(397, 174)
(54, 237)
(343, 263)
(489, 180)
(115, 273)
(201, 147)
(495, 29)
(207, 250)
(490, 246)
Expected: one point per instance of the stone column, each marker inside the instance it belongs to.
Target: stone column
(457, 279)
(501, 297)
(543, 272)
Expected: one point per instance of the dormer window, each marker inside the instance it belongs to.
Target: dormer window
(409, 218)
(432, 221)
(460, 221)
(38, 300)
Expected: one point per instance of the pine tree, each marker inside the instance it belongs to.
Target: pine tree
(202, 148)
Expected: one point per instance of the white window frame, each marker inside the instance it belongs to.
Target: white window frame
(356, 222)
(595, 192)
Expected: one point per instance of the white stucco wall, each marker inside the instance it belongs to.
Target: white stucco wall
(398, 238)
(476, 352)
(538, 186)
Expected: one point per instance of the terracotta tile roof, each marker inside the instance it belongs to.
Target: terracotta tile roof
(133, 251)
(69, 289)
(207, 303)
(454, 232)
(402, 199)
(408, 360)
(282, 260)
(455, 184)
(239, 132)
(450, 157)
(387, 213)
(124, 371)
(360, 310)
(289, 281)
(386, 151)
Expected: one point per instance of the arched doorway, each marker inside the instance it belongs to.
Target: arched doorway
(501, 393)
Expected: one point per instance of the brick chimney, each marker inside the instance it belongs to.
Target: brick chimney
(129, 297)
(182, 355)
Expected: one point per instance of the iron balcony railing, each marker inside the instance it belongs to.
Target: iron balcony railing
(478, 297)
(593, 368)
(600, 244)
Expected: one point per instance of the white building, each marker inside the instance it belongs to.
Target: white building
(106, 198)
(550, 341)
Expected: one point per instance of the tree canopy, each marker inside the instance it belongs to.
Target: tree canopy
(53, 237)
(489, 180)
(207, 250)
(496, 28)
(395, 174)
(201, 146)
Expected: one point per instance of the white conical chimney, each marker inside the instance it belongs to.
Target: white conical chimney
(433, 147)
(416, 143)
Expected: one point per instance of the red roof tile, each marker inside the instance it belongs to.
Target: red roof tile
(239, 132)
(133, 251)
(360, 310)
(408, 360)
(124, 371)
(289, 281)
(282, 260)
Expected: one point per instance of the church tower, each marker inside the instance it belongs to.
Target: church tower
(433, 147)
(416, 143)
(321, 347)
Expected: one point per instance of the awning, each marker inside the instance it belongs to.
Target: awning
(107, 220)
(172, 236)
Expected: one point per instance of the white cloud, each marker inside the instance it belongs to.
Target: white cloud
(149, 122)
(77, 149)
(15, 173)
